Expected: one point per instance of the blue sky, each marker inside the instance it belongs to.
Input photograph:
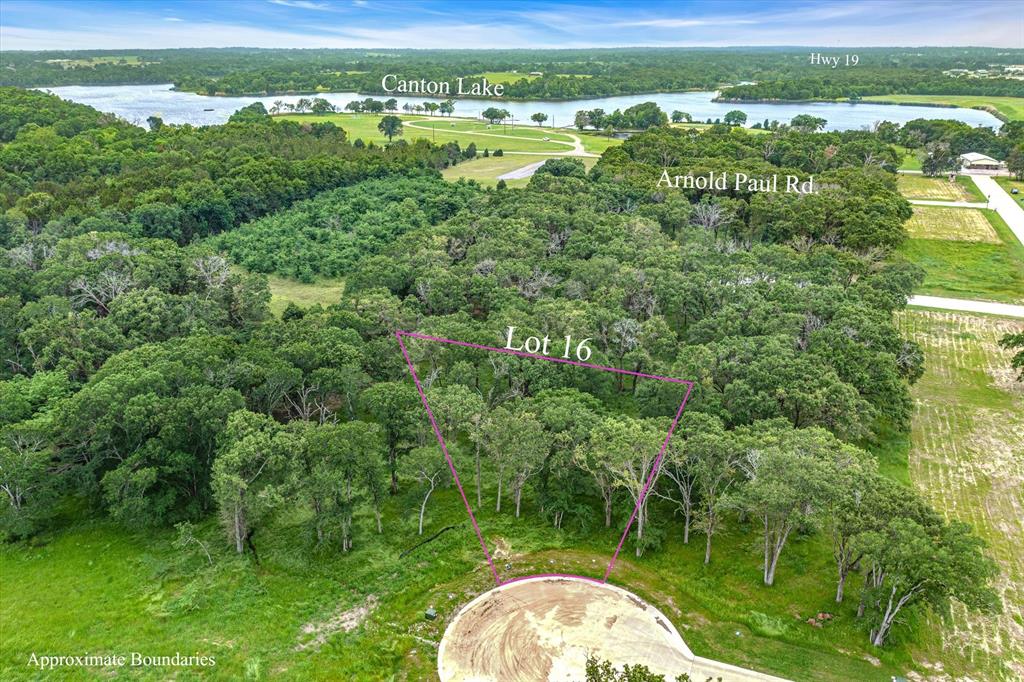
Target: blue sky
(119, 24)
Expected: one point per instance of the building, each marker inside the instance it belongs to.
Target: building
(976, 161)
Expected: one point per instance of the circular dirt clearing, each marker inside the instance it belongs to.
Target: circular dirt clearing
(543, 629)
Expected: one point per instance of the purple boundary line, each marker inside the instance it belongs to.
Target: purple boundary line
(444, 449)
(650, 481)
(521, 354)
(437, 432)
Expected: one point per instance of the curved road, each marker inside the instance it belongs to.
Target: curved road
(576, 144)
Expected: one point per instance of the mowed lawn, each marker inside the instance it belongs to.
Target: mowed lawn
(938, 189)
(1010, 107)
(949, 243)
(1009, 184)
(503, 76)
(486, 171)
(965, 457)
(443, 129)
(957, 224)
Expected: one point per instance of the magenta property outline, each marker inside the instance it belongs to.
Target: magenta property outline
(455, 476)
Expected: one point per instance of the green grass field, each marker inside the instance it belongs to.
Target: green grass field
(118, 586)
(954, 224)
(939, 189)
(440, 129)
(968, 269)
(1009, 184)
(910, 160)
(1010, 107)
(486, 171)
(504, 76)
(284, 291)
(967, 438)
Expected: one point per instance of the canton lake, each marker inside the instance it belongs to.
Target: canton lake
(135, 103)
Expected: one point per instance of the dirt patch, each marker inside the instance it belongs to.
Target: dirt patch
(314, 633)
(544, 629)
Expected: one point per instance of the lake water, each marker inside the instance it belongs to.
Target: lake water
(136, 103)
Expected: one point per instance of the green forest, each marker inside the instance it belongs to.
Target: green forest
(149, 398)
(780, 73)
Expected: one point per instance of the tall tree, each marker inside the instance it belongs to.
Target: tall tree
(429, 468)
(539, 118)
(396, 407)
(246, 473)
(390, 126)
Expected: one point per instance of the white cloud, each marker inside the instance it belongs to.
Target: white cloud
(173, 19)
(302, 4)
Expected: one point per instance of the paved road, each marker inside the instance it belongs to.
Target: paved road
(950, 204)
(1003, 204)
(524, 172)
(968, 306)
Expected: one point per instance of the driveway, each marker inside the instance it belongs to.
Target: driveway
(967, 306)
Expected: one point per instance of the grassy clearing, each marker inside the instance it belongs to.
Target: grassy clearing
(1009, 184)
(938, 189)
(504, 76)
(963, 269)
(967, 440)
(597, 143)
(1010, 107)
(442, 129)
(955, 224)
(284, 291)
(133, 590)
(486, 171)
(910, 161)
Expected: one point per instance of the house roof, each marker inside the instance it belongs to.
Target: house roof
(974, 157)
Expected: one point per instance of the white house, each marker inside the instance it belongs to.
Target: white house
(976, 161)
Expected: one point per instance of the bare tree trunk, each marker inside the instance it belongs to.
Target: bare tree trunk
(423, 507)
(707, 549)
(686, 524)
(380, 527)
(640, 531)
(841, 586)
(607, 495)
(498, 506)
(519, 497)
(239, 528)
(479, 495)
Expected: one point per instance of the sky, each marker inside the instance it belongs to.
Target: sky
(470, 24)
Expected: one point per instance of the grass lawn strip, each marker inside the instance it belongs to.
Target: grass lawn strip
(954, 224)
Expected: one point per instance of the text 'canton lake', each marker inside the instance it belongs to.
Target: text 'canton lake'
(135, 103)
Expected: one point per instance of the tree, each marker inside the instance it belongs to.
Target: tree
(582, 119)
(447, 107)
(391, 104)
(187, 537)
(516, 443)
(680, 116)
(390, 126)
(787, 480)
(27, 485)
(396, 407)
(1013, 341)
(431, 107)
(494, 114)
(428, 466)
(735, 118)
(329, 473)
(245, 480)
(924, 562)
(1015, 161)
(539, 118)
(805, 123)
(155, 123)
(252, 113)
(621, 452)
(321, 106)
(457, 409)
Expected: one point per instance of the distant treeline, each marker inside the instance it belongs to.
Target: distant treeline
(564, 74)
